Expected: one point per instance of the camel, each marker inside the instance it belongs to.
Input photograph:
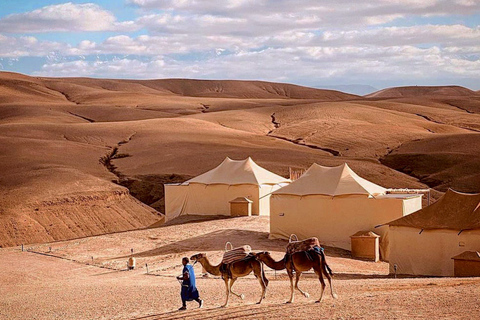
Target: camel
(296, 264)
(233, 271)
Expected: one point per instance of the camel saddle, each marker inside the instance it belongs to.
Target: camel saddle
(233, 255)
(302, 245)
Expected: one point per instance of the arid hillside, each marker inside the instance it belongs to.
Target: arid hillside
(72, 148)
(457, 159)
(420, 91)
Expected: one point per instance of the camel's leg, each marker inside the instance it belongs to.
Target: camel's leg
(292, 292)
(232, 281)
(330, 283)
(265, 280)
(322, 282)
(227, 291)
(297, 278)
(329, 278)
(257, 270)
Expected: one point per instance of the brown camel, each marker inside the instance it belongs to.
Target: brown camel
(296, 264)
(233, 271)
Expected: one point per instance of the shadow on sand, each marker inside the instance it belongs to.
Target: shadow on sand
(359, 276)
(215, 241)
(190, 219)
(254, 311)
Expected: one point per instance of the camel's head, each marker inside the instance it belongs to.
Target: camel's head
(262, 254)
(197, 257)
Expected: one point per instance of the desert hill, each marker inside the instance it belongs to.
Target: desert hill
(456, 157)
(200, 88)
(70, 146)
(420, 91)
(17, 88)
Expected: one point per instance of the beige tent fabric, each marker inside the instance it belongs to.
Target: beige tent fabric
(233, 172)
(265, 192)
(176, 200)
(331, 181)
(211, 192)
(430, 252)
(200, 199)
(332, 203)
(424, 242)
(334, 219)
(454, 210)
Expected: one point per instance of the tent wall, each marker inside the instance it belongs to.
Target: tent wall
(175, 200)
(331, 219)
(429, 253)
(201, 199)
(264, 199)
(410, 205)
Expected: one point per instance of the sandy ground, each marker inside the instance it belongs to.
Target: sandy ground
(61, 280)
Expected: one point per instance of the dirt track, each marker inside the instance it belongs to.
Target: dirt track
(47, 287)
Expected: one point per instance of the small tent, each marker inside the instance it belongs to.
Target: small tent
(425, 242)
(210, 193)
(332, 203)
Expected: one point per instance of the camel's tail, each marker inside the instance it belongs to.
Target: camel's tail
(262, 273)
(324, 262)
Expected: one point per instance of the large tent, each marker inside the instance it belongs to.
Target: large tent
(211, 192)
(333, 203)
(424, 242)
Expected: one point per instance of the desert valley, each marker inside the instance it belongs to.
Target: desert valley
(84, 162)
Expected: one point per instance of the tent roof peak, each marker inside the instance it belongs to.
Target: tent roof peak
(331, 181)
(453, 210)
(236, 172)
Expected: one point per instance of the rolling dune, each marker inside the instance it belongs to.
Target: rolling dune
(421, 91)
(69, 146)
(456, 159)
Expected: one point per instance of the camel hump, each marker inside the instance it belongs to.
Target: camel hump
(236, 254)
(302, 245)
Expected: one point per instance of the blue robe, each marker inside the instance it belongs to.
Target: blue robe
(189, 290)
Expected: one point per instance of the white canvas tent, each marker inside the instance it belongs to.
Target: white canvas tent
(424, 242)
(332, 203)
(211, 192)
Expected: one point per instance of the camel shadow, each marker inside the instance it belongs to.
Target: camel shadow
(233, 312)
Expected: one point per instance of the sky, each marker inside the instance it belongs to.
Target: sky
(380, 43)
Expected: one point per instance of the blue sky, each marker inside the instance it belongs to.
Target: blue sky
(381, 43)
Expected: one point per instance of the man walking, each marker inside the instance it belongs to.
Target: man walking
(189, 290)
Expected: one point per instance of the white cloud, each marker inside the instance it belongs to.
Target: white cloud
(374, 47)
(388, 36)
(299, 65)
(120, 68)
(276, 40)
(445, 36)
(15, 47)
(326, 12)
(64, 17)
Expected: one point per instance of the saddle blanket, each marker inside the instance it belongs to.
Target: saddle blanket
(236, 254)
(302, 245)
